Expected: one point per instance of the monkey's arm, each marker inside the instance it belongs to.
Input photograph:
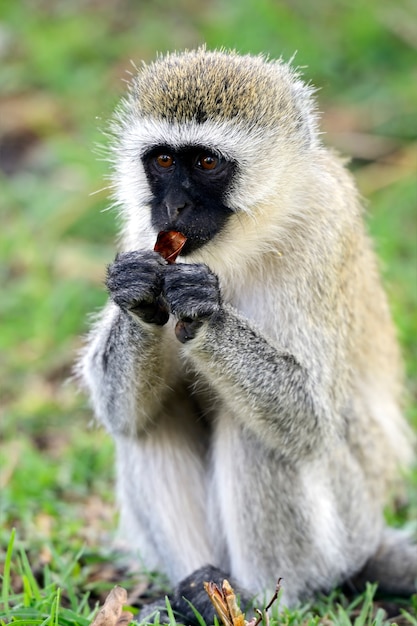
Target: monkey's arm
(125, 365)
(268, 386)
(280, 399)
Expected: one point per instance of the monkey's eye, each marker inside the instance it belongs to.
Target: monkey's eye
(207, 161)
(165, 160)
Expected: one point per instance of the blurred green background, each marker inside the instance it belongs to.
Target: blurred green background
(63, 67)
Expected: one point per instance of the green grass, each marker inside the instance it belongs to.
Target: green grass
(62, 67)
(41, 603)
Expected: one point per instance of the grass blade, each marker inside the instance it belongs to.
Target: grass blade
(32, 585)
(6, 574)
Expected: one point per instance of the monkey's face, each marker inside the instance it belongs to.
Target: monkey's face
(189, 186)
(215, 146)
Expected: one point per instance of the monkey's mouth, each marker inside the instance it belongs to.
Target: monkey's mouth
(193, 244)
(171, 243)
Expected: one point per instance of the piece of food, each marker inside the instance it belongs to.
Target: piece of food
(169, 244)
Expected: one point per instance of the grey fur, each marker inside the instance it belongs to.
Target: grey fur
(269, 443)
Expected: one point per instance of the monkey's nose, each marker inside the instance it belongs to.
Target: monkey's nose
(174, 209)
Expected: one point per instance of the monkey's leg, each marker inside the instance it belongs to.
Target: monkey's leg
(281, 518)
(162, 495)
(393, 566)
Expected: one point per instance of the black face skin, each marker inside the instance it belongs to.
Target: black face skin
(189, 187)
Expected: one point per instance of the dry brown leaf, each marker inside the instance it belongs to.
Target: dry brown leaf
(225, 604)
(219, 602)
(124, 619)
(238, 618)
(111, 613)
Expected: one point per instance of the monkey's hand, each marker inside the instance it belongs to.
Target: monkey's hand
(193, 296)
(135, 281)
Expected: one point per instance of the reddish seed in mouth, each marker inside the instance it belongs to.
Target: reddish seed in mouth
(169, 244)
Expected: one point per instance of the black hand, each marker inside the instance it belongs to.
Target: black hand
(135, 281)
(193, 295)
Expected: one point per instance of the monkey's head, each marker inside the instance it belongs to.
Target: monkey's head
(206, 142)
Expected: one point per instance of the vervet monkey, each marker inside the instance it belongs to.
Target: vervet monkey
(253, 387)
